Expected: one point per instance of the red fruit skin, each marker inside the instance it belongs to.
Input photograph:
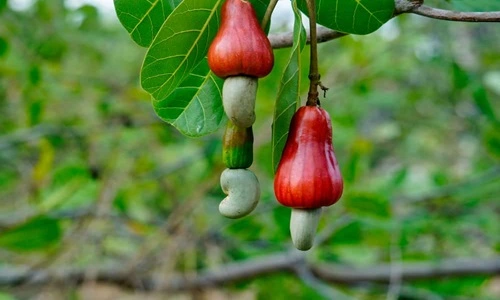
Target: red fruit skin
(308, 175)
(240, 47)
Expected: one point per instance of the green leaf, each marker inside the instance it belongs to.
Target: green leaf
(35, 234)
(181, 44)
(195, 106)
(288, 99)
(352, 16)
(143, 18)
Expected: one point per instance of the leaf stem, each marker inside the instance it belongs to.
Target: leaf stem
(269, 12)
(314, 77)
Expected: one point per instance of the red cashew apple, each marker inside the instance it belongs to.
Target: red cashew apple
(308, 175)
(240, 47)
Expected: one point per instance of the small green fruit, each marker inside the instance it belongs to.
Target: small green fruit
(237, 146)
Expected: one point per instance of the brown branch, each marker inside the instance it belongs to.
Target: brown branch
(448, 15)
(284, 40)
(238, 271)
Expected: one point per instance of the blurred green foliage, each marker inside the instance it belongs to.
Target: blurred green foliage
(90, 177)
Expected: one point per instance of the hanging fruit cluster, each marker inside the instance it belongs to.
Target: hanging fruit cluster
(308, 175)
(240, 53)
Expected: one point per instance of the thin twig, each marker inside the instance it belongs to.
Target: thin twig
(458, 16)
(269, 12)
(314, 77)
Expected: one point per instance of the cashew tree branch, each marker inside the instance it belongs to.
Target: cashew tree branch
(448, 15)
(287, 262)
(284, 40)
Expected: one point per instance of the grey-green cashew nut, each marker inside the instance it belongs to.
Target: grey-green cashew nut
(303, 225)
(243, 192)
(238, 99)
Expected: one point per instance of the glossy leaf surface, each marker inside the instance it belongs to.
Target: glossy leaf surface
(352, 16)
(142, 18)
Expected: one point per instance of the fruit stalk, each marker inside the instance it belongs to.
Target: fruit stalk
(314, 77)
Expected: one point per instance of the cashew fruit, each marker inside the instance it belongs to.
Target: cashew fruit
(308, 175)
(238, 99)
(237, 146)
(303, 225)
(243, 192)
(240, 47)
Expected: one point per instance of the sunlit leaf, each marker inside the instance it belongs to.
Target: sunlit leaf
(35, 234)
(143, 18)
(352, 16)
(288, 99)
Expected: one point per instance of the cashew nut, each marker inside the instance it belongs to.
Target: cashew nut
(243, 190)
(238, 99)
(303, 225)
